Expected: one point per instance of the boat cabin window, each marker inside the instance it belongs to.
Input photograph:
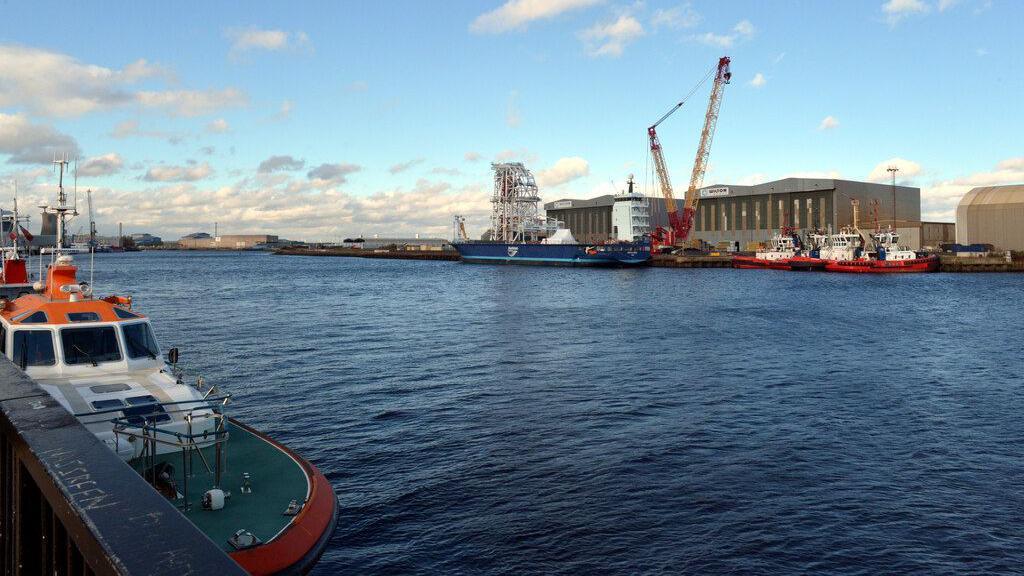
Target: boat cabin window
(125, 314)
(83, 317)
(33, 348)
(144, 409)
(139, 341)
(89, 345)
(106, 404)
(37, 317)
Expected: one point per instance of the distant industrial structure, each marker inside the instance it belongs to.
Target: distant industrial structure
(752, 214)
(416, 243)
(203, 241)
(992, 215)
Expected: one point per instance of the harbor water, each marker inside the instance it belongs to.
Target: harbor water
(522, 420)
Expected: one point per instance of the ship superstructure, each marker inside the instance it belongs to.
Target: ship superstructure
(631, 214)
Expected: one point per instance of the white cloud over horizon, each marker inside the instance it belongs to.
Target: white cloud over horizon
(251, 39)
(563, 171)
(829, 123)
(611, 38)
(516, 15)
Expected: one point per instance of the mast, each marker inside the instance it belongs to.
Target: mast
(61, 210)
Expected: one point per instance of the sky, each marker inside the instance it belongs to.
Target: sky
(318, 121)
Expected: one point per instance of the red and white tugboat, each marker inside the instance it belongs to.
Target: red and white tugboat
(887, 257)
(785, 246)
(268, 508)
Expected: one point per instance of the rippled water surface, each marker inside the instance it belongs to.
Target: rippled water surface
(521, 420)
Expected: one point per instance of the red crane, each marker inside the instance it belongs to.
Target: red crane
(681, 224)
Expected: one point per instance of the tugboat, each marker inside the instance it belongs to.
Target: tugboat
(888, 257)
(785, 246)
(519, 235)
(269, 509)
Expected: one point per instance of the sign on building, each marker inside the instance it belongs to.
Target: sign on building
(714, 192)
(562, 204)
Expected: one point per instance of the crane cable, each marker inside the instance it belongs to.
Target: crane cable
(710, 73)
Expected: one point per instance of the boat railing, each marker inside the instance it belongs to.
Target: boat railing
(189, 443)
(69, 505)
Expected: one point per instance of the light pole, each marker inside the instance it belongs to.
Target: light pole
(893, 170)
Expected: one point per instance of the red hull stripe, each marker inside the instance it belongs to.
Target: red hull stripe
(295, 549)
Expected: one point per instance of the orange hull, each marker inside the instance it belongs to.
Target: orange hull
(298, 548)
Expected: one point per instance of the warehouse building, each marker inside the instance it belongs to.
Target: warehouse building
(992, 215)
(203, 241)
(752, 214)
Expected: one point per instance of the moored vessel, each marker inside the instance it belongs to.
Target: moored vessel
(268, 508)
(520, 235)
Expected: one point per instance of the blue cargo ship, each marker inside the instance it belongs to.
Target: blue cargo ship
(617, 254)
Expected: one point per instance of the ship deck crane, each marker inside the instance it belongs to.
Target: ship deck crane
(681, 224)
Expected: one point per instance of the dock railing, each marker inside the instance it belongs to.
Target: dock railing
(70, 506)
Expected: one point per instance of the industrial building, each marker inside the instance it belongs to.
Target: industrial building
(992, 215)
(203, 241)
(416, 243)
(752, 214)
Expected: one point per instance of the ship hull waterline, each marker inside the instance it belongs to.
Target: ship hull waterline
(625, 254)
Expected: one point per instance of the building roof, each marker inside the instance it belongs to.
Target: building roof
(993, 195)
(782, 186)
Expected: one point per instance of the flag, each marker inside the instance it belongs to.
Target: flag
(28, 235)
(13, 235)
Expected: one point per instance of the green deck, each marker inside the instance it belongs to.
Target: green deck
(276, 480)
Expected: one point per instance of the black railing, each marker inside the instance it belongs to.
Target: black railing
(70, 506)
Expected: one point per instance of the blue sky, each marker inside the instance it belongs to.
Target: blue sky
(383, 117)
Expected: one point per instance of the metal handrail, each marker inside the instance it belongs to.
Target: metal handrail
(223, 398)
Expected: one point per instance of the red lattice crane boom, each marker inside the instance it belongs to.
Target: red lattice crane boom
(681, 224)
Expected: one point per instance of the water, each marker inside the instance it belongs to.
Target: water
(507, 420)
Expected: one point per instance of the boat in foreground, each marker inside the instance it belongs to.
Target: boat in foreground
(268, 508)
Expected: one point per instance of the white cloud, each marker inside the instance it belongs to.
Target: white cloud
(742, 30)
(981, 51)
(192, 102)
(28, 143)
(512, 116)
(610, 39)
(104, 165)
(280, 163)
(896, 10)
(683, 16)
(218, 126)
(331, 174)
(947, 4)
(517, 14)
(564, 171)
(829, 123)
(939, 199)
(52, 84)
(403, 166)
(471, 156)
(250, 39)
(908, 169)
(130, 129)
(758, 80)
(779, 58)
(189, 173)
(719, 40)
